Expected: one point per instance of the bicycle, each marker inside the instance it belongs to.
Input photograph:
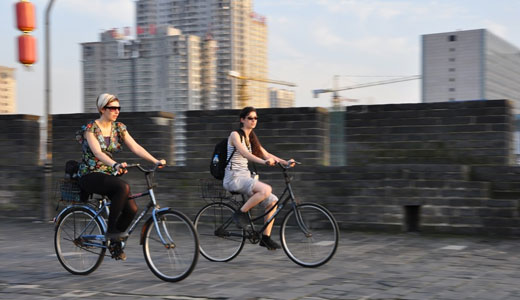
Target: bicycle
(169, 239)
(309, 234)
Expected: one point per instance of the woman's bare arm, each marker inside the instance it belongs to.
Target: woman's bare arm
(139, 150)
(235, 142)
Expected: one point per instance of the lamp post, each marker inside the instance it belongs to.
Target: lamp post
(48, 147)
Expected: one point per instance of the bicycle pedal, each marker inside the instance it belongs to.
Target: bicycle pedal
(116, 251)
(119, 256)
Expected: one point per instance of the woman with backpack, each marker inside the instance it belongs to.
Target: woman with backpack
(98, 170)
(243, 146)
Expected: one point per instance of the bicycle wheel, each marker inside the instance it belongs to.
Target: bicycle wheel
(76, 252)
(177, 259)
(220, 239)
(313, 241)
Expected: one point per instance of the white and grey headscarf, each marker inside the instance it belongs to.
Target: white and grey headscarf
(103, 99)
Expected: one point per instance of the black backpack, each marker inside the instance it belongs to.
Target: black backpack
(219, 160)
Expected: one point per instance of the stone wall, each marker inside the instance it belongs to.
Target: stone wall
(20, 174)
(467, 132)
(399, 177)
(21, 178)
(19, 140)
(300, 133)
(416, 197)
(433, 198)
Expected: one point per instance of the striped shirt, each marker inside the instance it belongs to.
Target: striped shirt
(238, 162)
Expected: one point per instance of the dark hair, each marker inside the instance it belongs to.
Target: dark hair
(253, 139)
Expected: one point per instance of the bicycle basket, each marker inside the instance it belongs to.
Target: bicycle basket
(212, 189)
(69, 190)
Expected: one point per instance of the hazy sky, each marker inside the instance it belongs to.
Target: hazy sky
(310, 41)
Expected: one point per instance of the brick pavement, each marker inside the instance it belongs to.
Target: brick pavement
(366, 266)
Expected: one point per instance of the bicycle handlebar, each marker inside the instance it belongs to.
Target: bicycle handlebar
(153, 169)
(288, 166)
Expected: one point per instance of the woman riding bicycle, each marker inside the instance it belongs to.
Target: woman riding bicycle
(238, 177)
(100, 139)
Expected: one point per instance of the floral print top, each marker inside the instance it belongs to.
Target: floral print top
(89, 162)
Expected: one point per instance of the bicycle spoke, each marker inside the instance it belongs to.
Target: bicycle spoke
(73, 254)
(215, 246)
(309, 235)
(173, 261)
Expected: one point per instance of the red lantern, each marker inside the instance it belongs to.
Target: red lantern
(27, 49)
(25, 16)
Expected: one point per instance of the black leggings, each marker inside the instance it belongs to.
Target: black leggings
(117, 191)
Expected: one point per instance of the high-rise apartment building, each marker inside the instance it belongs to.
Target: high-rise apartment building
(7, 90)
(469, 65)
(157, 72)
(258, 91)
(281, 98)
(241, 37)
(208, 69)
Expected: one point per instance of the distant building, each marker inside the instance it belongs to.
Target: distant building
(258, 91)
(157, 72)
(280, 98)
(180, 59)
(240, 33)
(7, 90)
(469, 65)
(209, 74)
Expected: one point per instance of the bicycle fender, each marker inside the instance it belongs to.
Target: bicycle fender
(60, 215)
(148, 222)
(63, 212)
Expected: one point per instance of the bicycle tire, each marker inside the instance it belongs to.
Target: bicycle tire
(317, 247)
(214, 246)
(176, 262)
(74, 256)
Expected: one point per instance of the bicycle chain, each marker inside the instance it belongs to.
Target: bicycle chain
(83, 248)
(253, 236)
(86, 249)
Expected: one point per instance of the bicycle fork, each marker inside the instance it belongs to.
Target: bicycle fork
(165, 237)
(300, 222)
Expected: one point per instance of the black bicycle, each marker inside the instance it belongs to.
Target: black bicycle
(309, 234)
(170, 242)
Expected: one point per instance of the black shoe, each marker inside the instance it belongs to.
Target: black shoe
(267, 242)
(241, 219)
(116, 236)
(116, 251)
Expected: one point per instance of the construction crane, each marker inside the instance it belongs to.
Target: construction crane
(242, 85)
(336, 99)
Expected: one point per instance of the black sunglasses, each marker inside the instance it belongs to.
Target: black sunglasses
(112, 108)
(252, 118)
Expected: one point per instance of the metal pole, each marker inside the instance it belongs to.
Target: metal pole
(133, 59)
(48, 149)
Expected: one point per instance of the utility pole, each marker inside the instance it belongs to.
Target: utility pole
(48, 147)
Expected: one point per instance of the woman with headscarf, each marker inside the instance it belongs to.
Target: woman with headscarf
(100, 139)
